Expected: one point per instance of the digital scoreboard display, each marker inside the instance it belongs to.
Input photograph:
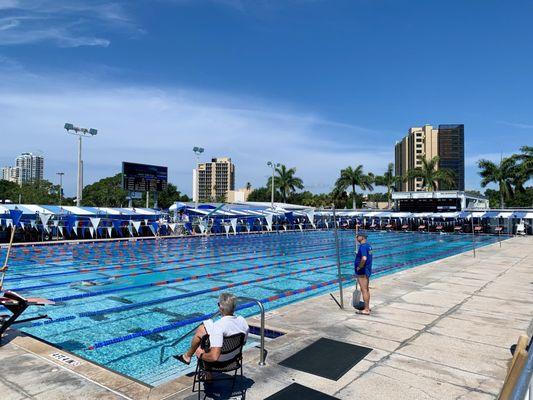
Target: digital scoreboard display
(143, 177)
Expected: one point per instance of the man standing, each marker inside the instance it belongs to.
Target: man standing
(363, 270)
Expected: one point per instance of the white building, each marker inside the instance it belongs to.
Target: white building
(440, 201)
(31, 167)
(213, 180)
(28, 167)
(11, 174)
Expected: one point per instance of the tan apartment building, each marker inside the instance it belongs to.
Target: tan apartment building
(239, 195)
(213, 180)
(419, 142)
(446, 141)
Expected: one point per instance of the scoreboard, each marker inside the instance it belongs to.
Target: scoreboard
(143, 177)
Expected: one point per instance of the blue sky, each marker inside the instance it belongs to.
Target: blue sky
(315, 84)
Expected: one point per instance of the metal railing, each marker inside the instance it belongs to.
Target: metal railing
(262, 356)
(523, 389)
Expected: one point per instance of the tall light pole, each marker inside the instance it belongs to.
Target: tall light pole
(272, 165)
(60, 174)
(80, 132)
(198, 151)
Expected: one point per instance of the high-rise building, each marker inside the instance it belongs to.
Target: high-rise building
(11, 174)
(31, 167)
(452, 152)
(419, 142)
(213, 180)
(447, 142)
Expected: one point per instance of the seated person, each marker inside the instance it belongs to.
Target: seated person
(228, 325)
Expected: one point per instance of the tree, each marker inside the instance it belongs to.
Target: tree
(501, 174)
(354, 177)
(39, 192)
(340, 198)
(262, 194)
(169, 196)
(106, 192)
(524, 168)
(286, 182)
(389, 180)
(8, 191)
(431, 176)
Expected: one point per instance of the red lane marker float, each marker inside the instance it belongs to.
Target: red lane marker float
(182, 279)
(138, 264)
(41, 286)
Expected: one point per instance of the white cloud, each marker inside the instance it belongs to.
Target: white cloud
(471, 161)
(161, 126)
(516, 124)
(71, 23)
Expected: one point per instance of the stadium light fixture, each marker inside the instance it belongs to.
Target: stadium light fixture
(272, 165)
(198, 151)
(80, 132)
(60, 174)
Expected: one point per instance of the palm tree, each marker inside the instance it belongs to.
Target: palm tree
(503, 174)
(431, 176)
(285, 181)
(524, 168)
(389, 180)
(354, 177)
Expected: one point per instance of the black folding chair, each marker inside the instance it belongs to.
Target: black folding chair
(17, 304)
(231, 344)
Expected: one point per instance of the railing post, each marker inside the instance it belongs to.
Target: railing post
(261, 329)
(473, 234)
(338, 257)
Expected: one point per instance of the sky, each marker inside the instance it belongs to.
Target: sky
(315, 84)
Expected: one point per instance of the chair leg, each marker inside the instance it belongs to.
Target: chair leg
(233, 381)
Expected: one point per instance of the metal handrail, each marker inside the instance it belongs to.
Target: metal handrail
(262, 328)
(162, 357)
(525, 381)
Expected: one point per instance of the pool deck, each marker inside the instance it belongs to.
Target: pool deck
(438, 331)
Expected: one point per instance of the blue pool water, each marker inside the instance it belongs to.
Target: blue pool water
(139, 287)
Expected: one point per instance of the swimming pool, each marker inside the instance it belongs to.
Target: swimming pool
(118, 303)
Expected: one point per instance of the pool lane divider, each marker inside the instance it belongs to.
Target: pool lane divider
(152, 271)
(55, 284)
(143, 265)
(183, 279)
(193, 250)
(185, 295)
(201, 318)
(146, 264)
(378, 272)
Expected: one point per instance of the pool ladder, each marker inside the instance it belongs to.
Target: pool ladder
(262, 356)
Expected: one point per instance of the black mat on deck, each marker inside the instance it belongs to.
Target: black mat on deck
(296, 392)
(327, 358)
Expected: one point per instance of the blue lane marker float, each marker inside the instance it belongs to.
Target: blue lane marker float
(165, 260)
(247, 305)
(141, 265)
(153, 271)
(96, 293)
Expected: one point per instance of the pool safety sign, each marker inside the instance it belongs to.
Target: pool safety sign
(65, 359)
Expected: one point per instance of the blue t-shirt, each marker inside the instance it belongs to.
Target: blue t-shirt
(364, 250)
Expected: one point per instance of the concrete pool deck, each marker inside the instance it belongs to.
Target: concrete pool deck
(438, 331)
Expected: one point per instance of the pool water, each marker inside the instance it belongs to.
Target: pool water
(118, 303)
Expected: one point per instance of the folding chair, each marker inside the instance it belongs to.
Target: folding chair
(17, 304)
(231, 345)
